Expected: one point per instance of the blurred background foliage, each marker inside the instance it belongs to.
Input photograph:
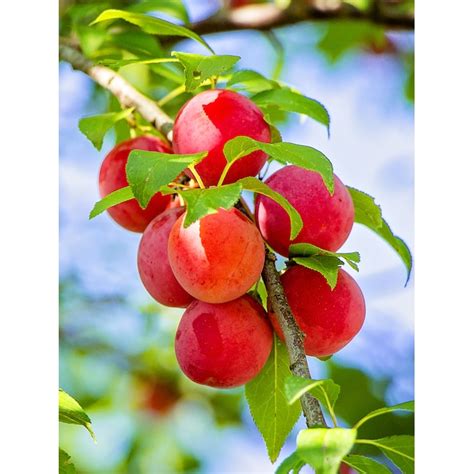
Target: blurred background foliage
(116, 345)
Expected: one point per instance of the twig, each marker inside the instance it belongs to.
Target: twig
(126, 94)
(130, 97)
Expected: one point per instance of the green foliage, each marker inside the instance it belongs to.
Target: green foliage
(406, 406)
(271, 413)
(257, 186)
(199, 69)
(119, 63)
(399, 449)
(326, 391)
(71, 412)
(310, 250)
(343, 36)
(365, 465)
(369, 214)
(148, 171)
(293, 463)
(289, 101)
(175, 8)
(286, 153)
(151, 25)
(112, 199)
(324, 448)
(251, 81)
(65, 464)
(201, 202)
(327, 266)
(96, 126)
(323, 261)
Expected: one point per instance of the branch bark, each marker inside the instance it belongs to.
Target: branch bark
(128, 96)
(266, 17)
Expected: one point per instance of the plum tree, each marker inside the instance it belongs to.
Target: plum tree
(329, 318)
(327, 220)
(112, 176)
(223, 345)
(208, 121)
(153, 263)
(217, 258)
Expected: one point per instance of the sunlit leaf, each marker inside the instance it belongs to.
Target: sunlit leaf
(257, 186)
(290, 101)
(324, 448)
(406, 406)
(365, 465)
(270, 411)
(71, 412)
(96, 126)
(150, 24)
(112, 199)
(369, 214)
(201, 202)
(148, 171)
(199, 68)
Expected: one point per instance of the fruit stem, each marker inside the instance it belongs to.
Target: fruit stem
(196, 175)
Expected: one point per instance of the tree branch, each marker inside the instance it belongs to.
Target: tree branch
(294, 337)
(269, 16)
(126, 94)
(130, 97)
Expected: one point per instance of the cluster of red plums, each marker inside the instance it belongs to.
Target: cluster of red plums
(225, 336)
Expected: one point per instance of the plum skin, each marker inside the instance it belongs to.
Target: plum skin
(223, 345)
(112, 176)
(153, 262)
(217, 258)
(329, 318)
(211, 118)
(327, 220)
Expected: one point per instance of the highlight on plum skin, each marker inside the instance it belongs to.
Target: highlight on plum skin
(329, 318)
(223, 345)
(217, 258)
(327, 220)
(112, 176)
(153, 262)
(211, 118)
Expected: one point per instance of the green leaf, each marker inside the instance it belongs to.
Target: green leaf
(262, 293)
(326, 391)
(400, 449)
(112, 199)
(65, 464)
(309, 250)
(151, 25)
(290, 101)
(252, 81)
(71, 412)
(406, 406)
(285, 153)
(257, 186)
(148, 171)
(201, 202)
(365, 465)
(369, 214)
(324, 448)
(199, 68)
(270, 411)
(327, 266)
(293, 463)
(174, 8)
(96, 126)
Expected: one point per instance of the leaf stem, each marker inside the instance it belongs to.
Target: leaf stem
(173, 94)
(224, 172)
